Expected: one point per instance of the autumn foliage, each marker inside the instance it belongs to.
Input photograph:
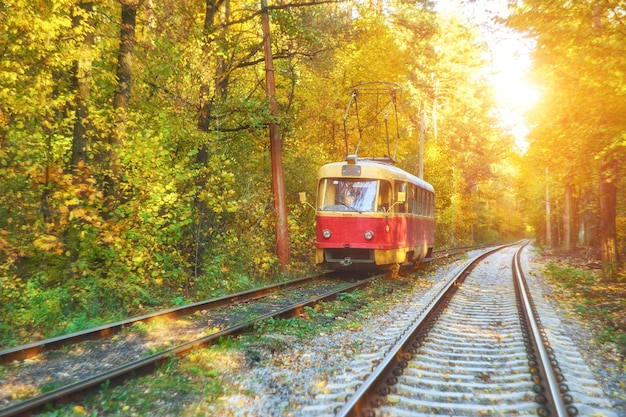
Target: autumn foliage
(578, 143)
(134, 163)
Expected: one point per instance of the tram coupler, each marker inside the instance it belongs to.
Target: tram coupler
(347, 261)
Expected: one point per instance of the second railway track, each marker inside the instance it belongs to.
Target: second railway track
(117, 361)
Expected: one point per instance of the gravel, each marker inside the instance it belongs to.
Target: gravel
(313, 377)
(289, 376)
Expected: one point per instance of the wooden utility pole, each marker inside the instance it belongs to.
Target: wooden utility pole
(276, 150)
(435, 85)
(422, 131)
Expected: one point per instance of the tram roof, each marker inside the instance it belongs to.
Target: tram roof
(371, 169)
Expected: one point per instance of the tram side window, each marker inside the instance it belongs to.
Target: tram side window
(419, 204)
(412, 199)
(325, 195)
(400, 203)
(431, 206)
(429, 209)
(384, 196)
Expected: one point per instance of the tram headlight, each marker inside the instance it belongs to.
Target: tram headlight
(326, 233)
(369, 235)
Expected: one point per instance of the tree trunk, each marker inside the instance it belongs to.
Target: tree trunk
(548, 214)
(608, 213)
(82, 85)
(206, 99)
(575, 215)
(222, 74)
(586, 229)
(121, 98)
(205, 109)
(566, 242)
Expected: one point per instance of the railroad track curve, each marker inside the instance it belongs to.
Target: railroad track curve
(477, 348)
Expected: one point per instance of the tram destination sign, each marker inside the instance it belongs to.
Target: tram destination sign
(351, 170)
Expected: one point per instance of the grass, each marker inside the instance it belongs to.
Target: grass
(601, 303)
(315, 319)
(202, 382)
(193, 379)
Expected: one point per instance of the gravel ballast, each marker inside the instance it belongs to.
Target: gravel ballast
(313, 377)
(279, 374)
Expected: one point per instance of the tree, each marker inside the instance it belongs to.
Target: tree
(122, 95)
(148, 184)
(468, 139)
(579, 59)
(83, 26)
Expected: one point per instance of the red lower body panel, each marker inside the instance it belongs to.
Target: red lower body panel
(394, 239)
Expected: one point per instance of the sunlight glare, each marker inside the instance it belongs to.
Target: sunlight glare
(515, 93)
(509, 62)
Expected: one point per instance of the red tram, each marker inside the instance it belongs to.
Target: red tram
(370, 213)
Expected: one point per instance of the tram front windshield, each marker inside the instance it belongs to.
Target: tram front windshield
(347, 194)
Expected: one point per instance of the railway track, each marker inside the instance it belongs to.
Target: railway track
(93, 376)
(33, 349)
(468, 355)
(475, 346)
(269, 302)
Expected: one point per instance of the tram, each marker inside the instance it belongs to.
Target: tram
(371, 213)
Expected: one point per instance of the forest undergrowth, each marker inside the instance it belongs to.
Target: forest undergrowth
(600, 303)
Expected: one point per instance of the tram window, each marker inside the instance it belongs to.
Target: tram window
(325, 193)
(431, 206)
(347, 195)
(400, 203)
(411, 199)
(384, 196)
(418, 203)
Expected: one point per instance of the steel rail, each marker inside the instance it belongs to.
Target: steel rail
(452, 251)
(360, 404)
(33, 349)
(146, 365)
(554, 402)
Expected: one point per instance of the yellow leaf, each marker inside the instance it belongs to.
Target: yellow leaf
(108, 238)
(78, 213)
(79, 409)
(393, 399)
(320, 384)
(48, 243)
